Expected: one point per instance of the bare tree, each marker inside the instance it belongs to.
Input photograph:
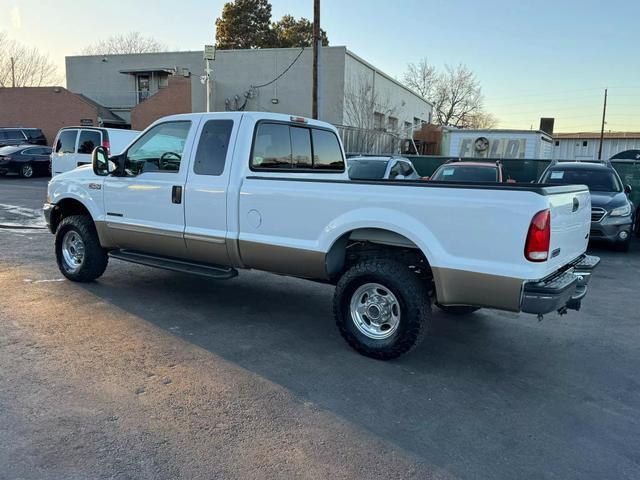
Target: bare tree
(422, 78)
(481, 120)
(362, 103)
(30, 68)
(132, 42)
(455, 93)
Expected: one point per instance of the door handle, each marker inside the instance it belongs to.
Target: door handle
(176, 194)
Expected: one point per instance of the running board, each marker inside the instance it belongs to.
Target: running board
(175, 265)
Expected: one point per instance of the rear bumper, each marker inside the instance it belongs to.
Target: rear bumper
(561, 291)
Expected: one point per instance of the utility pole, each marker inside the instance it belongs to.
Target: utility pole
(209, 55)
(316, 41)
(13, 72)
(604, 115)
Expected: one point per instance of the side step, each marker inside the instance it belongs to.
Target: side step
(175, 265)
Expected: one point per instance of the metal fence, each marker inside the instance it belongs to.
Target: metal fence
(366, 141)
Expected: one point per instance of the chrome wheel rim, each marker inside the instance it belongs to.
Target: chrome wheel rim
(72, 251)
(27, 171)
(375, 311)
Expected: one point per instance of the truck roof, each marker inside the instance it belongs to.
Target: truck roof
(256, 116)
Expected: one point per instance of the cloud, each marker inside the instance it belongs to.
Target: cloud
(16, 19)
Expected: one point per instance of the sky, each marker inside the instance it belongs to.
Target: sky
(533, 59)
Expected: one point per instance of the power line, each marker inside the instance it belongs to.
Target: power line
(283, 72)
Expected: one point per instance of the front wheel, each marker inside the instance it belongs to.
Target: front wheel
(382, 308)
(79, 254)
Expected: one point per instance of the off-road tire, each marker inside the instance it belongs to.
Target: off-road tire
(95, 257)
(458, 310)
(412, 294)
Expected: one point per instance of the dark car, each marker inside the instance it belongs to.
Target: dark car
(459, 171)
(21, 136)
(25, 160)
(611, 210)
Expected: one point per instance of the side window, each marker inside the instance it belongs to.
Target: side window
(272, 146)
(66, 142)
(14, 135)
(396, 170)
(407, 169)
(301, 147)
(89, 139)
(326, 150)
(212, 147)
(281, 146)
(158, 150)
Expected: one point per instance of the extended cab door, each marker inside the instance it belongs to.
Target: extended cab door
(144, 204)
(207, 190)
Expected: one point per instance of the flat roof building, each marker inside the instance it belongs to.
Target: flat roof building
(586, 145)
(352, 92)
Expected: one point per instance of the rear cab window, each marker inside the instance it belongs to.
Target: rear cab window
(288, 147)
(66, 142)
(89, 139)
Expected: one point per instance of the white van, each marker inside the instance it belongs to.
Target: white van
(73, 145)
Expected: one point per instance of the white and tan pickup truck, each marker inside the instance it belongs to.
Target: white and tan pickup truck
(213, 193)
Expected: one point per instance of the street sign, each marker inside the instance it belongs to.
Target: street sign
(209, 52)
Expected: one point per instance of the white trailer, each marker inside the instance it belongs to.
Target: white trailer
(497, 144)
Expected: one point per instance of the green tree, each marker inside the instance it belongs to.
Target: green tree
(244, 24)
(289, 32)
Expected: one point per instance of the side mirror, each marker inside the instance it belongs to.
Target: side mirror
(627, 189)
(100, 162)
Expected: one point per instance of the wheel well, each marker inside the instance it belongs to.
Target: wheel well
(66, 208)
(361, 244)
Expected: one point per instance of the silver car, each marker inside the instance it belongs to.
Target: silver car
(381, 168)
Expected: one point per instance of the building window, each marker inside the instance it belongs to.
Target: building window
(393, 124)
(407, 128)
(163, 81)
(378, 121)
(584, 143)
(416, 122)
(557, 143)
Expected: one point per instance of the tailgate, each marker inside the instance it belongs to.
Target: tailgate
(570, 224)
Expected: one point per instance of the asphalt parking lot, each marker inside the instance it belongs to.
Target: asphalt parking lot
(151, 374)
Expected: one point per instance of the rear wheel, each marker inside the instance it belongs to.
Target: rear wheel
(459, 310)
(26, 171)
(382, 308)
(79, 254)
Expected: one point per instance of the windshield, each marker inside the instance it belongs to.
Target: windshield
(367, 169)
(598, 180)
(466, 173)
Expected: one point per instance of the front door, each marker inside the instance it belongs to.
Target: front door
(145, 204)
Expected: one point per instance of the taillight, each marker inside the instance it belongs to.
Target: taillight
(536, 248)
(107, 145)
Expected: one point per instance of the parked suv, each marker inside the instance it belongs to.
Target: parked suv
(611, 210)
(21, 136)
(73, 145)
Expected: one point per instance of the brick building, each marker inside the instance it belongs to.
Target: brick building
(50, 109)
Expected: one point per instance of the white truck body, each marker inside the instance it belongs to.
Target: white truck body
(304, 222)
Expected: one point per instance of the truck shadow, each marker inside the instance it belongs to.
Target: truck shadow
(282, 329)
